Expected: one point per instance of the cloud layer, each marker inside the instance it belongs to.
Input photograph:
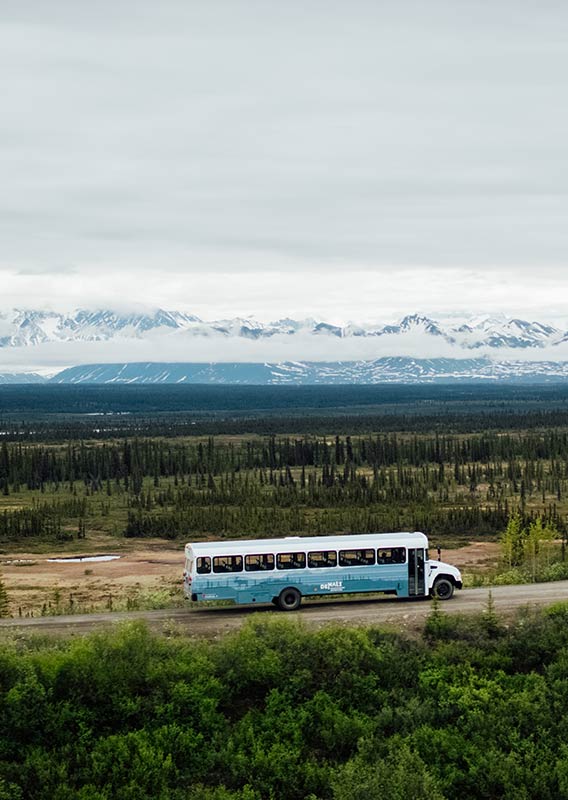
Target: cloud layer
(50, 357)
(345, 160)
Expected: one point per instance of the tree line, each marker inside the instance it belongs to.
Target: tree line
(33, 466)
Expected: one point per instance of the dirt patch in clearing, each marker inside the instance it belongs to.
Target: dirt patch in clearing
(139, 578)
(475, 556)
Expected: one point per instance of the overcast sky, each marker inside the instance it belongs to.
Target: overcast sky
(351, 160)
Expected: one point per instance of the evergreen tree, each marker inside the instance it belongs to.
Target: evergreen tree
(4, 603)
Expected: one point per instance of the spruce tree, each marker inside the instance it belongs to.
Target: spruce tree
(4, 604)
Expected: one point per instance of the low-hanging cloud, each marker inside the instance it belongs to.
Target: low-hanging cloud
(51, 357)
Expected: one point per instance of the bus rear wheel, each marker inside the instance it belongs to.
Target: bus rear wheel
(443, 589)
(289, 600)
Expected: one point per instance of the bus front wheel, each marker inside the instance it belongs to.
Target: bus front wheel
(443, 589)
(289, 600)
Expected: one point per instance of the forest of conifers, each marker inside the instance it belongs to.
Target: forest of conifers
(445, 484)
(62, 413)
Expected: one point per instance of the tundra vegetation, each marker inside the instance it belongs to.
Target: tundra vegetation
(472, 708)
(445, 485)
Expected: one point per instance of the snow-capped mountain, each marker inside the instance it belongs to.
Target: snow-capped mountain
(20, 328)
(29, 328)
(502, 332)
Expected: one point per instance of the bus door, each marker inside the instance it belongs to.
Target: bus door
(416, 572)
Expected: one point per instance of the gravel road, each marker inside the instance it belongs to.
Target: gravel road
(213, 622)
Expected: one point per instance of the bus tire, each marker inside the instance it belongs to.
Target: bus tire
(289, 599)
(443, 588)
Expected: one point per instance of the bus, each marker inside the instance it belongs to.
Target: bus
(283, 571)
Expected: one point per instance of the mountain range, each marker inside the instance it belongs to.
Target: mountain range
(28, 328)
(475, 349)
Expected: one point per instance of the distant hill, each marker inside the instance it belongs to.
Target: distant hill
(21, 377)
(383, 370)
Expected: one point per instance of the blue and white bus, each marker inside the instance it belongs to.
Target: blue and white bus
(283, 571)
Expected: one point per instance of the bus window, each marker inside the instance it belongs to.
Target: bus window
(203, 565)
(256, 563)
(356, 558)
(391, 555)
(322, 558)
(228, 564)
(291, 560)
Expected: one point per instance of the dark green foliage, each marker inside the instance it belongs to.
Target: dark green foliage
(42, 520)
(277, 711)
(57, 413)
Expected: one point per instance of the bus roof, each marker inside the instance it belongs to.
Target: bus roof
(290, 543)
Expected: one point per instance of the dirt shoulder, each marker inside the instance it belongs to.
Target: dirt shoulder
(212, 623)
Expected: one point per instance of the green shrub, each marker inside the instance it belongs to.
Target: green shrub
(510, 577)
(555, 572)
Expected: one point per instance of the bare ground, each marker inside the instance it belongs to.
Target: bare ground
(473, 556)
(33, 582)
